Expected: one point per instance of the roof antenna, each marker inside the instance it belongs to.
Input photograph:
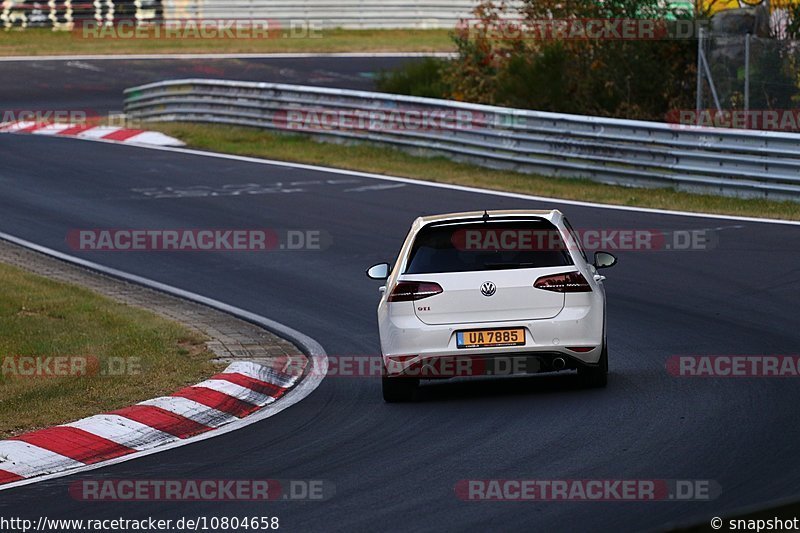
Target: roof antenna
(485, 215)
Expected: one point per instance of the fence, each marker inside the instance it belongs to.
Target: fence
(749, 74)
(351, 14)
(635, 153)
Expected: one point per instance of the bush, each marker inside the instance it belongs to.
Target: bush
(418, 78)
(632, 79)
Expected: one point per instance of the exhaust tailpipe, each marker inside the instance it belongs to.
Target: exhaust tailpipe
(559, 363)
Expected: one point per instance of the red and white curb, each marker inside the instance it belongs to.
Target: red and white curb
(243, 389)
(242, 394)
(245, 393)
(90, 132)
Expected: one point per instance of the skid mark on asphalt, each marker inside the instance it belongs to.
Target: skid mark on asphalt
(246, 189)
(84, 66)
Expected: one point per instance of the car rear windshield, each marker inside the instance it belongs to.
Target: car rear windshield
(480, 246)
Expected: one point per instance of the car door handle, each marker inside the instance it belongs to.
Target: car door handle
(598, 277)
(382, 289)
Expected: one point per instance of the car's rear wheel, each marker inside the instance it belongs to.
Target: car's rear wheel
(595, 377)
(399, 389)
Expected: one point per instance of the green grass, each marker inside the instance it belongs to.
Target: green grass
(43, 318)
(372, 158)
(39, 41)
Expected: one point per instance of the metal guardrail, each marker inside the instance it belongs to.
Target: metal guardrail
(65, 14)
(615, 151)
(290, 14)
(350, 14)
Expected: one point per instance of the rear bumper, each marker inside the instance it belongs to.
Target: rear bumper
(407, 343)
(446, 367)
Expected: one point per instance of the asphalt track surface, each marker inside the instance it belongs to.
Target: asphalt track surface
(394, 467)
(95, 85)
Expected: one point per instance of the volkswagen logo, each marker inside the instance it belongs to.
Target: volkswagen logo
(488, 289)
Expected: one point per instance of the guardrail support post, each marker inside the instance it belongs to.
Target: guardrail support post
(747, 79)
(699, 95)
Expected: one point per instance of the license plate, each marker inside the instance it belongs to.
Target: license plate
(482, 338)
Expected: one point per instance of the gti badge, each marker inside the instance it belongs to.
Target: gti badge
(488, 289)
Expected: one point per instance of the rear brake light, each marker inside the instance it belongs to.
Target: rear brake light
(407, 291)
(568, 282)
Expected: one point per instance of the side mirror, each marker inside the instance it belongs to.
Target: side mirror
(379, 271)
(604, 260)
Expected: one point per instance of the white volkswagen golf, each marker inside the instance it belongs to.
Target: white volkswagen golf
(491, 293)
